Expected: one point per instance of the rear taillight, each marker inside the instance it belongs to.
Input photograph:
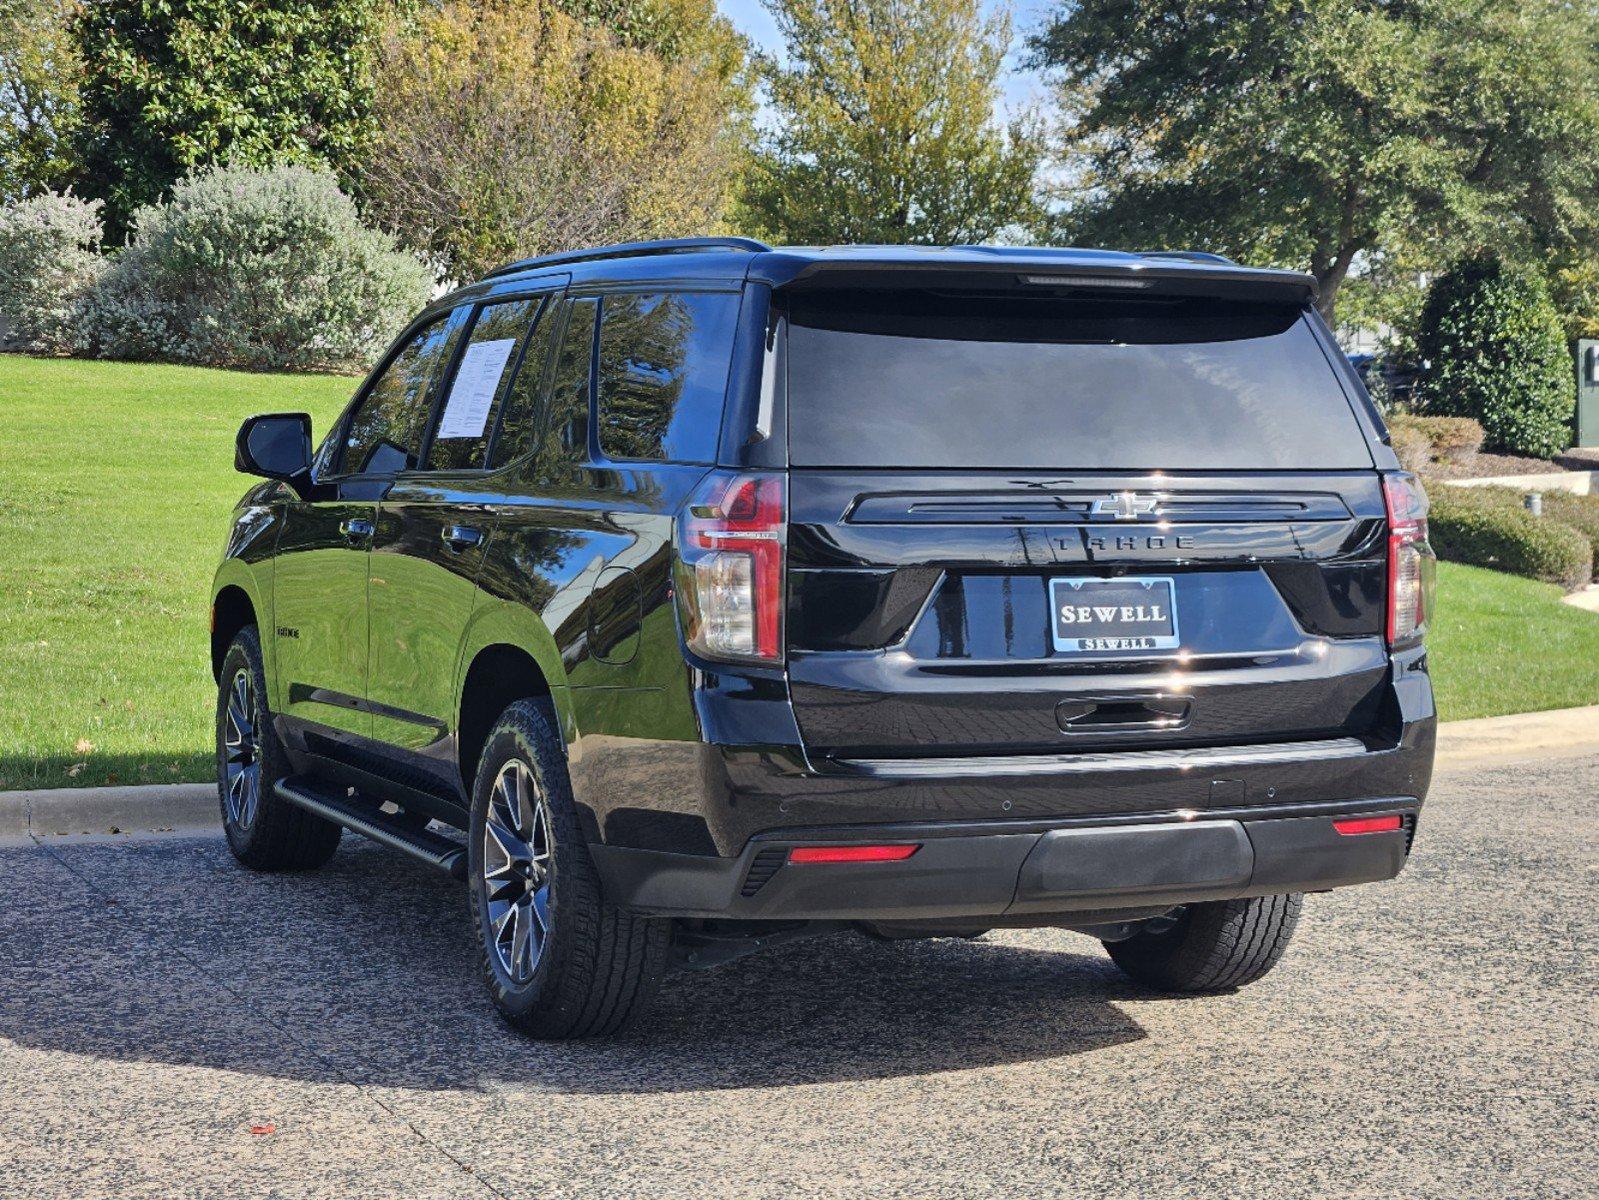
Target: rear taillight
(1410, 559)
(730, 567)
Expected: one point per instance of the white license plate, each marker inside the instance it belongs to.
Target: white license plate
(1130, 613)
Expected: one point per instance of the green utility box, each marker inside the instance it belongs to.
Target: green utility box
(1588, 392)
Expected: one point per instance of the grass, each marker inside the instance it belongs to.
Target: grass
(1502, 644)
(116, 484)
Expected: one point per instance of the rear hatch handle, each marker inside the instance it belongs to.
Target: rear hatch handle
(1097, 714)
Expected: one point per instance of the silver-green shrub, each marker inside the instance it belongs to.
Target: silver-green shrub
(49, 260)
(259, 269)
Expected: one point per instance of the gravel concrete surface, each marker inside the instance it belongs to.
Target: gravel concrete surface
(1430, 1037)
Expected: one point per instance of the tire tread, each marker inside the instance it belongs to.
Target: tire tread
(606, 961)
(284, 837)
(1216, 946)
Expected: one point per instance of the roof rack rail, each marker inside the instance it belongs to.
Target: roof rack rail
(1198, 256)
(632, 250)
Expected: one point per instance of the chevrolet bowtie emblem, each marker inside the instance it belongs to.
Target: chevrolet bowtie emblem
(1124, 506)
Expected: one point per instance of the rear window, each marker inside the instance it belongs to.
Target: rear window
(925, 380)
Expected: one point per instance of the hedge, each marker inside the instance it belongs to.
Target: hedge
(1579, 512)
(1488, 527)
(265, 269)
(49, 260)
(1564, 508)
(1447, 439)
(1498, 354)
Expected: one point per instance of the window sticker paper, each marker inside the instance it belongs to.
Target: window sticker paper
(466, 411)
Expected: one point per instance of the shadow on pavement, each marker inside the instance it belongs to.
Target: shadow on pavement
(365, 972)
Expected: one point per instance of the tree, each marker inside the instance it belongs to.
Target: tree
(883, 126)
(513, 128)
(39, 70)
(671, 28)
(172, 85)
(1310, 132)
(1497, 353)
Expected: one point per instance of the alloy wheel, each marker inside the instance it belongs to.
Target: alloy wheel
(242, 750)
(517, 870)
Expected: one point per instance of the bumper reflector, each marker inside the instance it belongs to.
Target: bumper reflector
(851, 854)
(1356, 825)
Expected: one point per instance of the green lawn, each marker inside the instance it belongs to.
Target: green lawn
(1502, 644)
(116, 482)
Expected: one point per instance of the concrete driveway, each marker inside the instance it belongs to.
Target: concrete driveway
(171, 1025)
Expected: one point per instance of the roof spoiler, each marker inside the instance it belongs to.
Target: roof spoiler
(1165, 273)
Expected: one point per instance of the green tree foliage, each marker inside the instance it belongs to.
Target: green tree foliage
(510, 128)
(172, 85)
(39, 71)
(1498, 354)
(670, 28)
(882, 126)
(1308, 132)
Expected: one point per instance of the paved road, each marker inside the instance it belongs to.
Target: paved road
(1433, 1037)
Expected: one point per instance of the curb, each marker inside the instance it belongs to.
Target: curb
(1560, 733)
(155, 807)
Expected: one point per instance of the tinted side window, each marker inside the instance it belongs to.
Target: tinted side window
(664, 359)
(384, 434)
(485, 376)
(564, 444)
(521, 418)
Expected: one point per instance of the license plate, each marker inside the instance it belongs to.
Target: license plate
(1114, 614)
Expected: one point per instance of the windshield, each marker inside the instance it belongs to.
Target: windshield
(938, 380)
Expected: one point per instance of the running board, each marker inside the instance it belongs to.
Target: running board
(364, 818)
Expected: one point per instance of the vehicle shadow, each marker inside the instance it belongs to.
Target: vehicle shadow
(164, 951)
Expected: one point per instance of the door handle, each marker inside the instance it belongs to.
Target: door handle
(461, 537)
(356, 530)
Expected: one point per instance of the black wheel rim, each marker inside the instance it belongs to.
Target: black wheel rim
(241, 756)
(518, 869)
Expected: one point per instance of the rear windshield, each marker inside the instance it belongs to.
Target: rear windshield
(938, 380)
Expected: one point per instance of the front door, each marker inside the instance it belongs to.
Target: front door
(320, 575)
(319, 609)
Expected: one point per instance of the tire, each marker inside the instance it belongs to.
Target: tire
(559, 961)
(265, 832)
(1212, 947)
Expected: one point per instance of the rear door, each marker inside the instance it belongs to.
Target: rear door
(434, 525)
(1068, 522)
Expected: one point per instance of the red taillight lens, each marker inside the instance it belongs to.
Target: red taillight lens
(1354, 825)
(851, 854)
(730, 567)
(1411, 561)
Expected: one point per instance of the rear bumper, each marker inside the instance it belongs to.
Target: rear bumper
(1021, 869)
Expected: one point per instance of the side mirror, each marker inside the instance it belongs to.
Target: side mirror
(275, 445)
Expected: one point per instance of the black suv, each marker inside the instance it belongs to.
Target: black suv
(721, 595)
